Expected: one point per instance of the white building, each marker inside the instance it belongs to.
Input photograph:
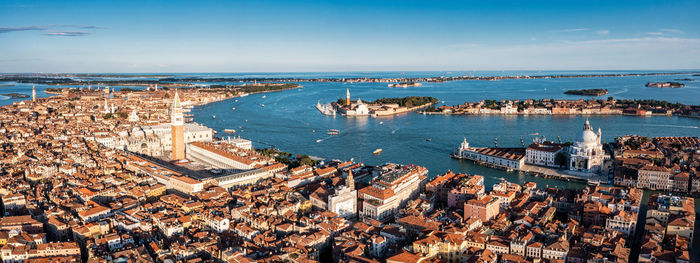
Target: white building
(387, 193)
(344, 201)
(510, 158)
(542, 152)
(624, 222)
(587, 155)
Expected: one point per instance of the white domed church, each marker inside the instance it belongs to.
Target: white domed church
(587, 155)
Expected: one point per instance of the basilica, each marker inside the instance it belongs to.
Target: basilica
(587, 154)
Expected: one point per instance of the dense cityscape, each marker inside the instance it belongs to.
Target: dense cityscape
(101, 176)
(338, 131)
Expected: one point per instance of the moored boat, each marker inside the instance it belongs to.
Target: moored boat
(377, 151)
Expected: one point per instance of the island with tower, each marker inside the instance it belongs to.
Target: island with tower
(380, 107)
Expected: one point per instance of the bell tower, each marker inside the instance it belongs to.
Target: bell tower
(178, 134)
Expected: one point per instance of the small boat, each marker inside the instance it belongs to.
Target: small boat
(319, 140)
(333, 130)
(333, 133)
(230, 130)
(264, 96)
(377, 151)
(213, 116)
(234, 108)
(427, 140)
(381, 122)
(313, 130)
(262, 105)
(236, 100)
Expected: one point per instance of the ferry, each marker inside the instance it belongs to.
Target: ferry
(377, 151)
(230, 130)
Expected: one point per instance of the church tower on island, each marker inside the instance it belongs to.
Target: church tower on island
(347, 97)
(178, 132)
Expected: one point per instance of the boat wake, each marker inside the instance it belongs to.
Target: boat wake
(675, 126)
(620, 92)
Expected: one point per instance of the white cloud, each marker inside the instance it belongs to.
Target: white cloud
(672, 30)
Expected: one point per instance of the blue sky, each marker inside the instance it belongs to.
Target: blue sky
(255, 36)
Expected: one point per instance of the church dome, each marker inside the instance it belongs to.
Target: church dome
(588, 137)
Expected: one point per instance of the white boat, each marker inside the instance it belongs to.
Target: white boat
(334, 130)
(381, 122)
(262, 105)
(236, 100)
(332, 133)
(213, 116)
(377, 151)
(243, 95)
(234, 108)
(264, 96)
(230, 130)
(319, 140)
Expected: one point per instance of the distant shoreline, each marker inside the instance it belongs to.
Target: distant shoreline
(164, 80)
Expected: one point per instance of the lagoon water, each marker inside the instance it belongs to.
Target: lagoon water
(290, 122)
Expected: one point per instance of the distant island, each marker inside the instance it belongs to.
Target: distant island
(177, 81)
(587, 92)
(685, 79)
(380, 107)
(668, 84)
(15, 95)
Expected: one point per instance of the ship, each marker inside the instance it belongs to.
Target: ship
(326, 109)
(377, 151)
(404, 85)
